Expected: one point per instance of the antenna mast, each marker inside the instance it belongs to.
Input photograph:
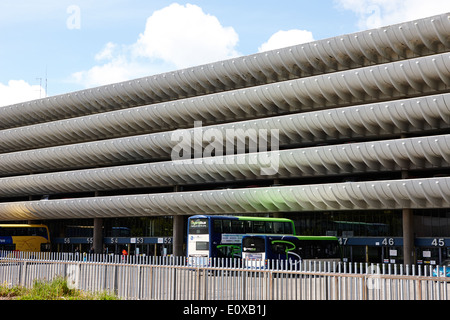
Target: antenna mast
(46, 92)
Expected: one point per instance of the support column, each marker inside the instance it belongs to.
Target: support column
(178, 232)
(408, 237)
(408, 231)
(98, 235)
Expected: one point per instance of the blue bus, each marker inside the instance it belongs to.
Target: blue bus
(211, 236)
(258, 249)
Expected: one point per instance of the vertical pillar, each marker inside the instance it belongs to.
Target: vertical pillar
(408, 231)
(98, 235)
(408, 237)
(178, 232)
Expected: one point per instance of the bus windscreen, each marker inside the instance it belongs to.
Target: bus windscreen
(198, 226)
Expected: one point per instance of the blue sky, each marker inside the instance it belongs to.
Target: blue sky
(69, 45)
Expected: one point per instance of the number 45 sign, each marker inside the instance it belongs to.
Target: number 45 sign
(438, 242)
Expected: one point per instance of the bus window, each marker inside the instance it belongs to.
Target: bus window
(226, 225)
(279, 227)
(198, 226)
(217, 225)
(250, 244)
(202, 245)
(7, 247)
(287, 228)
(258, 227)
(248, 227)
(237, 226)
(228, 251)
(319, 250)
(269, 227)
(40, 232)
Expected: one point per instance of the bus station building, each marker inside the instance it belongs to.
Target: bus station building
(347, 136)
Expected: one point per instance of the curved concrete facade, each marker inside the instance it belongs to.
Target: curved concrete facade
(358, 105)
(369, 120)
(414, 77)
(413, 193)
(392, 43)
(374, 156)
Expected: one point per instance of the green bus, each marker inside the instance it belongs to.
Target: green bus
(211, 236)
(258, 249)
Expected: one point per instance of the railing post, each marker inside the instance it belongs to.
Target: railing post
(174, 282)
(271, 285)
(139, 281)
(197, 285)
(364, 287)
(336, 288)
(116, 279)
(420, 289)
(23, 275)
(205, 283)
(150, 284)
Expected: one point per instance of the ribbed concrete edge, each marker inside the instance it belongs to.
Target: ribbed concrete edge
(376, 156)
(392, 194)
(370, 120)
(425, 75)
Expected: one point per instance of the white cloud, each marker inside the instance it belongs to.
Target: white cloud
(19, 91)
(114, 65)
(378, 13)
(107, 53)
(282, 39)
(175, 37)
(186, 36)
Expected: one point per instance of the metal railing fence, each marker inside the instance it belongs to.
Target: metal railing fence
(176, 278)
